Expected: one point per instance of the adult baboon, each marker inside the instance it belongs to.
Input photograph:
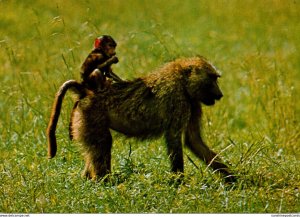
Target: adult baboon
(166, 102)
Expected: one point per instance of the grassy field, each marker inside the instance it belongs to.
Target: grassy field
(255, 127)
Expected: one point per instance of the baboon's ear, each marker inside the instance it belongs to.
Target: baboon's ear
(188, 70)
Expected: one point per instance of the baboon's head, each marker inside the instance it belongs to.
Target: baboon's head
(202, 82)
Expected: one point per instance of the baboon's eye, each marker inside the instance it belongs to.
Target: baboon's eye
(111, 44)
(214, 76)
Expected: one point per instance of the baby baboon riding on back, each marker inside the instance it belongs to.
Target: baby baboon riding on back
(166, 102)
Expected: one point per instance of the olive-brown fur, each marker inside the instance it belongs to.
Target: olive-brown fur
(166, 102)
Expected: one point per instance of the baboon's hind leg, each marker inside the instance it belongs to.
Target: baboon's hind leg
(71, 120)
(98, 155)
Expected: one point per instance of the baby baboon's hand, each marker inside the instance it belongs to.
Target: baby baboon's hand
(114, 60)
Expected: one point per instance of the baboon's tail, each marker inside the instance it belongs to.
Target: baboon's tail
(76, 87)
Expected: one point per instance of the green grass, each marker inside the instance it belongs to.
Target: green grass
(255, 126)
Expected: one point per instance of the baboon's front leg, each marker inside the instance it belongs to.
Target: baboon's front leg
(195, 143)
(174, 146)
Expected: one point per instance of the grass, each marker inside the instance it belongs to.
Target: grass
(255, 126)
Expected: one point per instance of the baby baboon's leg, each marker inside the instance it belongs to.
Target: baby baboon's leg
(97, 80)
(98, 155)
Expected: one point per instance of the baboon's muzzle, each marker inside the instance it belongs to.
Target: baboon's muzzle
(219, 96)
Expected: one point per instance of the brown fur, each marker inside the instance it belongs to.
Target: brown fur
(166, 102)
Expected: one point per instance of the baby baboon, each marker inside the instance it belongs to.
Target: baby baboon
(100, 59)
(166, 102)
(96, 68)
